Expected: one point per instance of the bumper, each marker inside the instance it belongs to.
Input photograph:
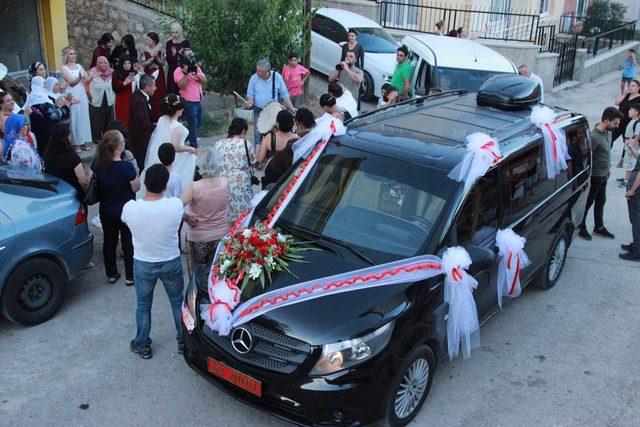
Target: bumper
(341, 399)
(78, 252)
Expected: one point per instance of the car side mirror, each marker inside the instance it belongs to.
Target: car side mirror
(481, 258)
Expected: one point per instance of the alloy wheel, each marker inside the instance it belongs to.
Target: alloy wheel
(412, 388)
(557, 260)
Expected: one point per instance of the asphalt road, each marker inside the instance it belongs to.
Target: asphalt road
(568, 356)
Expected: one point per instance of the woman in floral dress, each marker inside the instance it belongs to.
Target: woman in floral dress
(237, 160)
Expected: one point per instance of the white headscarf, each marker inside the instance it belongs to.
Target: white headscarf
(38, 94)
(51, 82)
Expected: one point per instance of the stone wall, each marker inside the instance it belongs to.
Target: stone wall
(87, 20)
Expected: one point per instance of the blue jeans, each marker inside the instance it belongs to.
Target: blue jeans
(193, 114)
(146, 274)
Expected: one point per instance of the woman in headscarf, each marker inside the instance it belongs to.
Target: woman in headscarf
(102, 97)
(38, 69)
(45, 112)
(16, 149)
(126, 47)
(154, 63)
(176, 44)
(121, 82)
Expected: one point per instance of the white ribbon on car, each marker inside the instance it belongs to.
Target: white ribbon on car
(512, 259)
(482, 153)
(462, 324)
(555, 141)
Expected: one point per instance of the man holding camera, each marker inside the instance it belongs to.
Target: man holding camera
(348, 75)
(190, 80)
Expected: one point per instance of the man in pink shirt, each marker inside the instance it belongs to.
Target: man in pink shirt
(190, 80)
(294, 76)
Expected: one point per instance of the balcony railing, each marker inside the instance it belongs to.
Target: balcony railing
(482, 23)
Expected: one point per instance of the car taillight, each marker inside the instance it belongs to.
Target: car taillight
(81, 215)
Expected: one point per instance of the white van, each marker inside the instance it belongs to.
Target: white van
(449, 63)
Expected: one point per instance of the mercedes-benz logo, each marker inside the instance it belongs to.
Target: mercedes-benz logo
(241, 340)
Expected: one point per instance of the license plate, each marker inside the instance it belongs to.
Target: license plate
(187, 318)
(234, 377)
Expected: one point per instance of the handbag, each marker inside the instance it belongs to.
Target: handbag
(254, 179)
(92, 195)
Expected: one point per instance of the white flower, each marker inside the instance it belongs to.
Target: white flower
(254, 271)
(270, 262)
(281, 238)
(264, 237)
(246, 233)
(225, 265)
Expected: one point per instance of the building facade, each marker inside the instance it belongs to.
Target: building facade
(33, 30)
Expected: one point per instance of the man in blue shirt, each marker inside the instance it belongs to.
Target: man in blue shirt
(629, 70)
(265, 86)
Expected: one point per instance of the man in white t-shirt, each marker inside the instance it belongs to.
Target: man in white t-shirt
(154, 223)
(524, 70)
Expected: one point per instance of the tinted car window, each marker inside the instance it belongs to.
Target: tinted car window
(578, 148)
(469, 80)
(480, 214)
(376, 40)
(388, 207)
(329, 28)
(526, 182)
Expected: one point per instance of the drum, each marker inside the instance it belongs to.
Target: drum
(267, 118)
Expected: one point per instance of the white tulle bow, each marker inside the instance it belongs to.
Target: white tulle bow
(462, 324)
(224, 297)
(482, 153)
(555, 140)
(512, 260)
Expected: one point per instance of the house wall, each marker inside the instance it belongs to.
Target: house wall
(89, 19)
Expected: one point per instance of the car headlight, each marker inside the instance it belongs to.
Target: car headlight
(192, 295)
(345, 354)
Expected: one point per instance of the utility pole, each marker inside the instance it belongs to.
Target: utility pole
(307, 58)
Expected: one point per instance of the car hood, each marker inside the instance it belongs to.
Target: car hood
(382, 62)
(332, 318)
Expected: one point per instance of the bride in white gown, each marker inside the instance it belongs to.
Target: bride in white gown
(169, 129)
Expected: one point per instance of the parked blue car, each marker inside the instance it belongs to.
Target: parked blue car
(44, 243)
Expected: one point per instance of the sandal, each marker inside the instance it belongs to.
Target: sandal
(114, 279)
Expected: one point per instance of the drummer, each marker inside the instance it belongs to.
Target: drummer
(265, 86)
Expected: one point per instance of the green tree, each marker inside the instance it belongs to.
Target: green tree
(603, 15)
(230, 36)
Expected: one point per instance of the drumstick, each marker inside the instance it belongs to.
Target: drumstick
(238, 95)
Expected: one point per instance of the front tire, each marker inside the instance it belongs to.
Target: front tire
(368, 88)
(409, 387)
(33, 292)
(555, 263)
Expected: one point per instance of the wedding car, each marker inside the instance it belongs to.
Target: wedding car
(381, 193)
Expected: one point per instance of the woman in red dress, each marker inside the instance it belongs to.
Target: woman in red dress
(121, 83)
(154, 61)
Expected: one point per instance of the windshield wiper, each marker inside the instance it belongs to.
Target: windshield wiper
(348, 247)
(318, 237)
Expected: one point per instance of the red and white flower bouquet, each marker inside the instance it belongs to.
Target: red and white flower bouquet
(255, 253)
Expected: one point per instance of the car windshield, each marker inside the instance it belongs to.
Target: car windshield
(469, 80)
(376, 40)
(386, 207)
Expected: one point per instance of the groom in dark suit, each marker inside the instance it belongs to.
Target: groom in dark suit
(141, 125)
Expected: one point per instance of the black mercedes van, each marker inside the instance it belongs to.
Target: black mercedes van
(377, 194)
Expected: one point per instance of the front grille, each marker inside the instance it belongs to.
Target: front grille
(271, 350)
